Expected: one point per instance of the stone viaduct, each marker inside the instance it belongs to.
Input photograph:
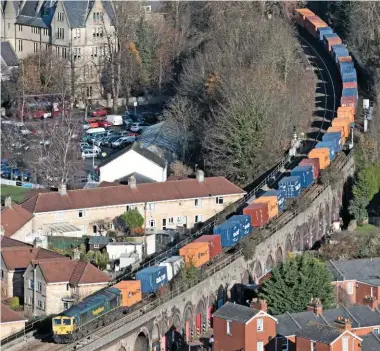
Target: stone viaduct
(189, 313)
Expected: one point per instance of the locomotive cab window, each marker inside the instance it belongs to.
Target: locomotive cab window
(67, 321)
(57, 321)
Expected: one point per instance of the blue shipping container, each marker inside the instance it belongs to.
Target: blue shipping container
(348, 72)
(329, 145)
(245, 222)
(344, 66)
(305, 173)
(328, 36)
(291, 186)
(350, 92)
(334, 137)
(346, 78)
(230, 233)
(281, 199)
(152, 278)
(324, 30)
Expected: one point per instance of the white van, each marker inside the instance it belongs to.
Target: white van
(116, 120)
(93, 131)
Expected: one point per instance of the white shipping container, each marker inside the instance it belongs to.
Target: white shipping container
(173, 264)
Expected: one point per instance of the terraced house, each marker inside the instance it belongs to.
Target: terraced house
(170, 204)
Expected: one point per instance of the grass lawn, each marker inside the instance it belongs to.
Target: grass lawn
(17, 193)
(367, 228)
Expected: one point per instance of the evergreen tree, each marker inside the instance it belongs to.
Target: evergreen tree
(295, 282)
(132, 219)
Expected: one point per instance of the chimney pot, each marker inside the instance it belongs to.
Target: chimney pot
(62, 189)
(8, 202)
(315, 306)
(132, 182)
(200, 176)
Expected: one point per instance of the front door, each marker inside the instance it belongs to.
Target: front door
(164, 223)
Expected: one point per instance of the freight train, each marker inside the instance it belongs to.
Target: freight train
(108, 305)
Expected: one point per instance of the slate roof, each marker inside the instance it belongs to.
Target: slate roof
(371, 342)
(236, 313)
(319, 332)
(365, 270)
(75, 272)
(123, 194)
(8, 316)
(32, 15)
(139, 178)
(360, 316)
(162, 135)
(141, 151)
(101, 240)
(14, 218)
(8, 54)
(78, 11)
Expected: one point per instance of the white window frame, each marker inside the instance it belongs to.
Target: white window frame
(228, 327)
(345, 344)
(61, 16)
(94, 51)
(151, 206)
(19, 45)
(198, 218)
(40, 304)
(96, 246)
(39, 286)
(66, 304)
(31, 301)
(313, 345)
(260, 325)
(179, 219)
(350, 288)
(260, 346)
(31, 284)
(61, 33)
(148, 9)
(171, 220)
(376, 331)
(84, 213)
(35, 47)
(20, 28)
(152, 223)
(197, 202)
(219, 200)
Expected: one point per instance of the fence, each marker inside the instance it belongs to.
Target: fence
(20, 184)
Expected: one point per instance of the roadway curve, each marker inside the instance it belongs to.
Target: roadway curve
(328, 93)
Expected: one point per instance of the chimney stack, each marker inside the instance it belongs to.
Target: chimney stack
(132, 182)
(200, 176)
(259, 304)
(62, 189)
(371, 301)
(315, 306)
(8, 202)
(343, 323)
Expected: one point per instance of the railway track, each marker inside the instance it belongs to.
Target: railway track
(226, 257)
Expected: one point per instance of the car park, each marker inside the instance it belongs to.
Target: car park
(116, 120)
(107, 141)
(99, 112)
(139, 127)
(118, 142)
(124, 143)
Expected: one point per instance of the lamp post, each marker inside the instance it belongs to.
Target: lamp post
(135, 106)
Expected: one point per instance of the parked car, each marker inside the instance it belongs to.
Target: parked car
(99, 141)
(99, 112)
(105, 124)
(116, 120)
(107, 141)
(139, 127)
(129, 139)
(89, 153)
(127, 121)
(17, 174)
(26, 175)
(92, 147)
(124, 143)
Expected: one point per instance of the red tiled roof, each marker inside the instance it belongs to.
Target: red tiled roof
(105, 184)
(20, 257)
(122, 195)
(7, 315)
(9, 242)
(14, 218)
(75, 272)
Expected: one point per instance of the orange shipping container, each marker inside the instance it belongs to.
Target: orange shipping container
(344, 59)
(197, 253)
(301, 14)
(342, 122)
(333, 41)
(272, 204)
(337, 130)
(323, 155)
(346, 112)
(130, 292)
(312, 23)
